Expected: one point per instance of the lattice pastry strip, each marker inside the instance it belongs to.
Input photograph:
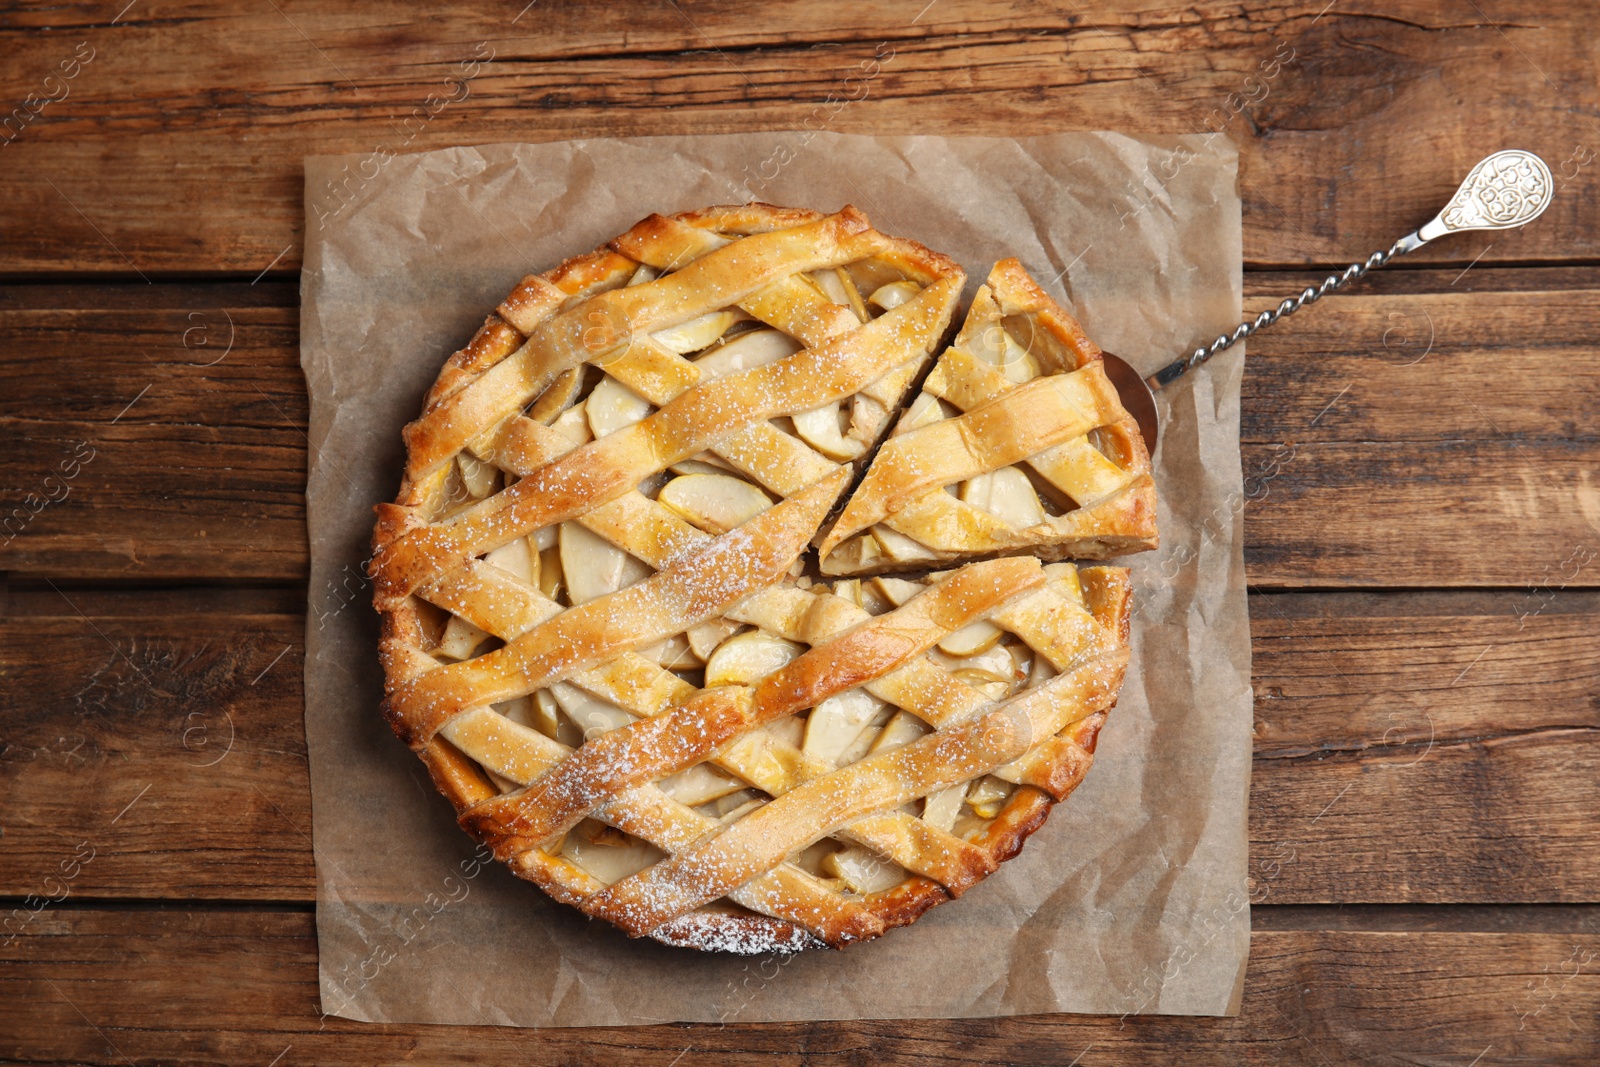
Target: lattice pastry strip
(640, 688)
(1017, 443)
(596, 634)
(1046, 609)
(697, 420)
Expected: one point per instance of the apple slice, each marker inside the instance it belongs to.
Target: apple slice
(699, 784)
(704, 463)
(613, 405)
(1019, 364)
(834, 724)
(828, 281)
(788, 730)
(715, 503)
(923, 411)
(863, 871)
(995, 345)
(857, 553)
(895, 590)
(1006, 494)
(460, 638)
(754, 349)
(479, 477)
(852, 295)
(695, 334)
(973, 638)
(897, 546)
(861, 594)
(723, 806)
(518, 709)
(809, 859)
(573, 424)
(994, 664)
(589, 713)
(902, 729)
(988, 795)
(821, 429)
(941, 808)
(891, 296)
(518, 558)
(544, 715)
(704, 639)
(868, 736)
(554, 400)
(610, 863)
(673, 654)
(552, 580)
(593, 566)
(732, 808)
(748, 658)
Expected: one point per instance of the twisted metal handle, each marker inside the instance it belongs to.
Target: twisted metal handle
(1309, 295)
(1505, 190)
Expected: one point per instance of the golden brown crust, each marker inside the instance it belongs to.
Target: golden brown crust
(1019, 409)
(489, 429)
(1019, 294)
(1023, 815)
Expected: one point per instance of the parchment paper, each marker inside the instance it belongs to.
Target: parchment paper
(1132, 898)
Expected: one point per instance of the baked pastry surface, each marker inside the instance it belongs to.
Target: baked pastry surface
(1017, 443)
(599, 633)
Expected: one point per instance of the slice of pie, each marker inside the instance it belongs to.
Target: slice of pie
(601, 636)
(1018, 443)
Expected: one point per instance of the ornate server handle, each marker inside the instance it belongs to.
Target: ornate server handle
(1506, 190)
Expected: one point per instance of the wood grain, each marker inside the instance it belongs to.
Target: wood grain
(199, 987)
(1408, 438)
(170, 445)
(1388, 437)
(170, 745)
(1420, 755)
(1410, 747)
(178, 146)
(1340, 674)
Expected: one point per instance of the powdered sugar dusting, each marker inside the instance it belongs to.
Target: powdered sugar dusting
(739, 935)
(695, 579)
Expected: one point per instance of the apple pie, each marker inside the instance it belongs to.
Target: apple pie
(606, 636)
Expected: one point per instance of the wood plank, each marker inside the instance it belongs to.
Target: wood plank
(1410, 746)
(1391, 437)
(1581, 919)
(1365, 465)
(1425, 747)
(169, 746)
(171, 444)
(177, 147)
(1342, 673)
(1505, 818)
(199, 987)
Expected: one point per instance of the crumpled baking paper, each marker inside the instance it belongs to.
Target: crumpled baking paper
(1133, 896)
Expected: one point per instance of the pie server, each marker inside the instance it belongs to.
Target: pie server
(1504, 191)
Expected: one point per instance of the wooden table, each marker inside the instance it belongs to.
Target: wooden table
(1422, 457)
